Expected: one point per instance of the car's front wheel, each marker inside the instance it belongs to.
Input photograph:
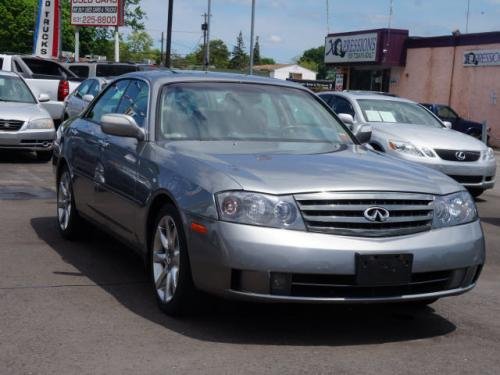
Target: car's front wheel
(169, 264)
(69, 222)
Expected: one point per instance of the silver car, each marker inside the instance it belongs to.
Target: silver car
(407, 130)
(252, 188)
(24, 123)
(79, 99)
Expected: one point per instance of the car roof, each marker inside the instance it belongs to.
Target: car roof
(354, 95)
(169, 75)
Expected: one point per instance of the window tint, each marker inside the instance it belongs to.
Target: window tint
(83, 89)
(108, 102)
(44, 67)
(135, 101)
(80, 70)
(95, 88)
(341, 105)
(446, 112)
(111, 70)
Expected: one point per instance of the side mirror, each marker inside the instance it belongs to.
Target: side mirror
(43, 98)
(364, 133)
(88, 98)
(447, 124)
(121, 126)
(347, 119)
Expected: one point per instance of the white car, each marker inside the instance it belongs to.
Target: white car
(409, 131)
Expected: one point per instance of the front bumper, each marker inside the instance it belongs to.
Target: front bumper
(30, 140)
(242, 261)
(478, 174)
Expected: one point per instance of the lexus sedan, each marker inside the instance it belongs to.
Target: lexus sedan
(252, 188)
(24, 124)
(407, 130)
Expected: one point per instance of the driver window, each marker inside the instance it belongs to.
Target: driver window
(109, 101)
(446, 112)
(83, 89)
(341, 105)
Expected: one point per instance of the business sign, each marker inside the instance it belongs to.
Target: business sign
(97, 12)
(482, 57)
(339, 82)
(351, 48)
(47, 29)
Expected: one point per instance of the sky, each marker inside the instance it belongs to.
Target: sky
(288, 27)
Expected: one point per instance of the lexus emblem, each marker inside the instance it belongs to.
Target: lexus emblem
(376, 214)
(460, 155)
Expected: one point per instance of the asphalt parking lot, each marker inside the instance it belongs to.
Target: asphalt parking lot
(86, 308)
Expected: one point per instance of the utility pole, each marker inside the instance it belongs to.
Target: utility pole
(77, 44)
(251, 38)
(204, 27)
(117, 45)
(168, 62)
(467, 17)
(207, 50)
(161, 48)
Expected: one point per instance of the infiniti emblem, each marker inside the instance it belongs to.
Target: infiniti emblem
(460, 155)
(376, 214)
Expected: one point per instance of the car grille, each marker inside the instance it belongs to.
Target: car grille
(344, 286)
(10, 125)
(451, 155)
(467, 179)
(343, 213)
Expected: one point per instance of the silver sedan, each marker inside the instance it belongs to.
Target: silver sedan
(24, 123)
(407, 130)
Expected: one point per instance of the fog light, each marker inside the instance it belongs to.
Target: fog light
(281, 283)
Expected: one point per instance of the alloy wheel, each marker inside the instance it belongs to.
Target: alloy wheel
(64, 205)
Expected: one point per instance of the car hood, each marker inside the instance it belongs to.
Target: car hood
(21, 111)
(314, 169)
(435, 138)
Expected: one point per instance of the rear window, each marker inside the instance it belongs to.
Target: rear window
(46, 68)
(80, 70)
(114, 70)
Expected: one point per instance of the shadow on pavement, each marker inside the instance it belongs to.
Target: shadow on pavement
(121, 273)
(19, 157)
(491, 220)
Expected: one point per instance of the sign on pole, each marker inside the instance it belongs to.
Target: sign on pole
(47, 29)
(97, 12)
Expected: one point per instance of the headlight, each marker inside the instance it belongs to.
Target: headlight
(41, 123)
(489, 154)
(405, 148)
(454, 209)
(259, 209)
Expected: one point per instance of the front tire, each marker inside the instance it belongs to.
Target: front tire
(169, 264)
(68, 220)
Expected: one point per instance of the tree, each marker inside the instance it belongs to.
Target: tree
(314, 58)
(16, 32)
(267, 61)
(219, 55)
(240, 59)
(256, 52)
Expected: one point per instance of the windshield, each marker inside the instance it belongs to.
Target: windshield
(245, 112)
(13, 89)
(391, 111)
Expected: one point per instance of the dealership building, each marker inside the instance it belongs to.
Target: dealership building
(459, 70)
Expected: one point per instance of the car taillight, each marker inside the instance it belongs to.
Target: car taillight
(62, 90)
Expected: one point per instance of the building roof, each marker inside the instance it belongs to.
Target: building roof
(271, 67)
(454, 40)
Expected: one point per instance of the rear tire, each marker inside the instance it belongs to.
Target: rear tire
(44, 156)
(169, 266)
(68, 220)
(476, 192)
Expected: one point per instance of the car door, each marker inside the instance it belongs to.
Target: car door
(85, 149)
(117, 194)
(75, 104)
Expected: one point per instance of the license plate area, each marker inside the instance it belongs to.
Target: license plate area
(383, 269)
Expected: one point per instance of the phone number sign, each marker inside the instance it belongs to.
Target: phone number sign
(97, 12)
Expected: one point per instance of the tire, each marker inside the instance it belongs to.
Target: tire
(69, 222)
(44, 156)
(168, 264)
(475, 192)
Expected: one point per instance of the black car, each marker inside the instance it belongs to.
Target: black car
(458, 123)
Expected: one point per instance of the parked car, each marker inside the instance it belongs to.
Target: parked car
(83, 95)
(446, 113)
(252, 188)
(43, 77)
(406, 130)
(101, 69)
(24, 123)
